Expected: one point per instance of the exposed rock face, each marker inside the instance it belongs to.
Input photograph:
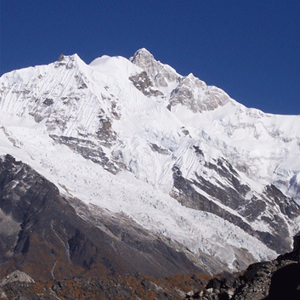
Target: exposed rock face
(188, 91)
(143, 83)
(197, 96)
(89, 150)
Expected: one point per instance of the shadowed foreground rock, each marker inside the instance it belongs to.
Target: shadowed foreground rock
(277, 279)
(284, 283)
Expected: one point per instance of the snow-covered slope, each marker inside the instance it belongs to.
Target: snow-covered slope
(182, 159)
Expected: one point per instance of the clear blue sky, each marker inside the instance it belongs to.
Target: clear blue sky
(250, 49)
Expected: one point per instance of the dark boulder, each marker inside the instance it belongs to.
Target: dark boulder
(284, 283)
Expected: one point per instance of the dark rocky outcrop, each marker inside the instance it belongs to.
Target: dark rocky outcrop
(277, 279)
(285, 282)
(143, 83)
(88, 150)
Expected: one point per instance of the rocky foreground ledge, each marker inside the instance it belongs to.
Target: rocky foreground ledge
(271, 280)
(277, 279)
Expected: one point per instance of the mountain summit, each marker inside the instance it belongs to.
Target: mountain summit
(124, 165)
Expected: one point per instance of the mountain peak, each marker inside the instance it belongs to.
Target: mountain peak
(160, 74)
(134, 138)
(144, 59)
(143, 52)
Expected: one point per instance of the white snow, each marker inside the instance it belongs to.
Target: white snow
(266, 145)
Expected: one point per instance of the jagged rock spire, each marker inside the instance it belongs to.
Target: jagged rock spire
(160, 74)
(141, 53)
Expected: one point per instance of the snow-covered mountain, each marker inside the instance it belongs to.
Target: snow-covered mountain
(212, 179)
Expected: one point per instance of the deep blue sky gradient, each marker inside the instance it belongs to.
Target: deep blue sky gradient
(250, 49)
